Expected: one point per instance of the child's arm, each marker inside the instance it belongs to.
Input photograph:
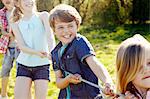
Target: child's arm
(22, 44)
(101, 72)
(6, 33)
(50, 36)
(64, 82)
(98, 69)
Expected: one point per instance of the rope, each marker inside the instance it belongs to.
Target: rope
(90, 83)
(101, 89)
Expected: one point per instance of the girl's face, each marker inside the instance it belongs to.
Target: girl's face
(142, 79)
(65, 32)
(27, 5)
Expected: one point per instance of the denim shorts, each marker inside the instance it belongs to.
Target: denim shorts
(8, 61)
(39, 72)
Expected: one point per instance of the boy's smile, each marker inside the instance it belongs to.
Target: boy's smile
(65, 31)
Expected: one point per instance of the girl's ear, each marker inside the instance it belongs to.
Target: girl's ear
(78, 26)
(53, 30)
(54, 33)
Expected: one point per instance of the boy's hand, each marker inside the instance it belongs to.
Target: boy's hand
(75, 79)
(108, 89)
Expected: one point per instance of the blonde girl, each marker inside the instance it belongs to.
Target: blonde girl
(33, 33)
(133, 67)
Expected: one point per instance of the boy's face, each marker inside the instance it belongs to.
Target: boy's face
(65, 32)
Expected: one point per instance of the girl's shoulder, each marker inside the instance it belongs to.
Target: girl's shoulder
(14, 24)
(43, 15)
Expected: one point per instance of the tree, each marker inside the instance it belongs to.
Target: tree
(140, 11)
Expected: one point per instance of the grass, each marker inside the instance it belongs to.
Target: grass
(105, 42)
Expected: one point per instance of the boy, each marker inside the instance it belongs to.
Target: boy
(10, 53)
(74, 54)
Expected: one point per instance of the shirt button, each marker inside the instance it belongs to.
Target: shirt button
(54, 63)
(68, 56)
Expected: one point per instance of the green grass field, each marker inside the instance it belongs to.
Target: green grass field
(105, 43)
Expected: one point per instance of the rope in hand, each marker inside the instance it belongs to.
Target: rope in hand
(101, 89)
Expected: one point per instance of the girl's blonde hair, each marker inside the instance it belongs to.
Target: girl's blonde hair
(17, 12)
(130, 57)
(64, 13)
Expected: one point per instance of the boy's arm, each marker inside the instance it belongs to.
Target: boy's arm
(101, 72)
(60, 81)
(64, 82)
(98, 69)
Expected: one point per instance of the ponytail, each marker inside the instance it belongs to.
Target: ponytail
(16, 14)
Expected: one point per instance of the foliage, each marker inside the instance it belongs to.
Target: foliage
(104, 12)
(1, 4)
(140, 11)
(115, 33)
(107, 15)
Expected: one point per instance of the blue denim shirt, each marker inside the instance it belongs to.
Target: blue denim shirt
(73, 61)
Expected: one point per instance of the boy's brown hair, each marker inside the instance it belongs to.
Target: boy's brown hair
(64, 13)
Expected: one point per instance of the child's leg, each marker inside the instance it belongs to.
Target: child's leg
(41, 87)
(4, 86)
(22, 88)
(41, 79)
(6, 68)
(23, 82)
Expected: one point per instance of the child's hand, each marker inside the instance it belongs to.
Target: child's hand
(49, 56)
(119, 97)
(46, 55)
(108, 89)
(43, 54)
(148, 94)
(128, 95)
(75, 79)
